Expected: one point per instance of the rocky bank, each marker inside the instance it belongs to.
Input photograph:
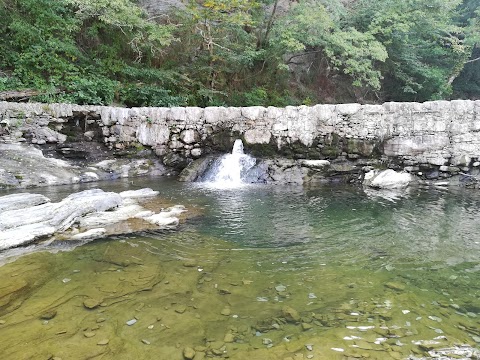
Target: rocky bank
(434, 142)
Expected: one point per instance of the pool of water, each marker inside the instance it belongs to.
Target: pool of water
(257, 272)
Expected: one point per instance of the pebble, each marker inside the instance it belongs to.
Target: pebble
(306, 326)
(100, 320)
(405, 312)
(150, 327)
(89, 334)
(190, 263)
(280, 288)
(66, 280)
(91, 303)
(2, 322)
(476, 338)
(48, 315)
(146, 342)
(309, 347)
(267, 341)
(338, 349)
(310, 356)
(229, 338)
(312, 296)
(103, 342)
(131, 322)
(188, 353)
(226, 311)
(180, 309)
(435, 318)
(395, 286)
(290, 314)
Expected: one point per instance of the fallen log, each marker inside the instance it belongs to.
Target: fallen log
(21, 95)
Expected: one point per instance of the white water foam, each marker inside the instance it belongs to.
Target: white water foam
(230, 170)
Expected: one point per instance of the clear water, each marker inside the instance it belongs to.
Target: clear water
(257, 272)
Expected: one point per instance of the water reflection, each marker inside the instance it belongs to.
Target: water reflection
(331, 267)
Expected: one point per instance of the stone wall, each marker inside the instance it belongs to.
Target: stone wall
(436, 138)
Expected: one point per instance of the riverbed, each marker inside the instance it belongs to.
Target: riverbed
(256, 272)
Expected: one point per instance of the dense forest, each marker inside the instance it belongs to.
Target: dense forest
(239, 52)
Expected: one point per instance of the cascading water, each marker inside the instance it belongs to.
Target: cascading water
(231, 170)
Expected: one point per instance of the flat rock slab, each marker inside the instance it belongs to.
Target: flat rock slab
(21, 201)
(25, 218)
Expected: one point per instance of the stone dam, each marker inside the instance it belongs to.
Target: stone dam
(435, 141)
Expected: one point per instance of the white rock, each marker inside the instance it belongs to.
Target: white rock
(314, 163)
(20, 201)
(141, 193)
(89, 234)
(387, 179)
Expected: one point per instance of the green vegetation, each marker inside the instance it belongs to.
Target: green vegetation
(240, 52)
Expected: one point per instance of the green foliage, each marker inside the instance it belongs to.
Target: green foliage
(423, 42)
(310, 28)
(148, 95)
(240, 52)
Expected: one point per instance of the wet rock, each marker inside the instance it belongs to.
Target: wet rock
(190, 263)
(229, 338)
(91, 303)
(49, 314)
(226, 311)
(290, 314)
(195, 169)
(395, 286)
(90, 234)
(180, 309)
(387, 179)
(175, 161)
(306, 326)
(136, 194)
(188, 353)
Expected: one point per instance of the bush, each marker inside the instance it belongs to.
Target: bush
(150, 95)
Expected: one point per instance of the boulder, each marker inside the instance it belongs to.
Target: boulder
(33, 217)
(195, 169)
(387, 179)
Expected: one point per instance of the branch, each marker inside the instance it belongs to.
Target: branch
(470, 61)
(302, 54)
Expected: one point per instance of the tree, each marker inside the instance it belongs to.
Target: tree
(309, 28)
(425, 44)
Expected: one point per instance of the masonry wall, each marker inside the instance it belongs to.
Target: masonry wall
(437, 134)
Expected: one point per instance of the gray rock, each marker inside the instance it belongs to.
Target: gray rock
(195, 169)
(25, 225)
(20, 201)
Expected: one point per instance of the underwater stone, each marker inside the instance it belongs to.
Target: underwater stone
(395, 286)
(290, 314)
(91, 303)
(188, 353)
(131, 322)
(48, 315)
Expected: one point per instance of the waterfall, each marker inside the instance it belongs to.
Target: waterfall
(231, 170)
